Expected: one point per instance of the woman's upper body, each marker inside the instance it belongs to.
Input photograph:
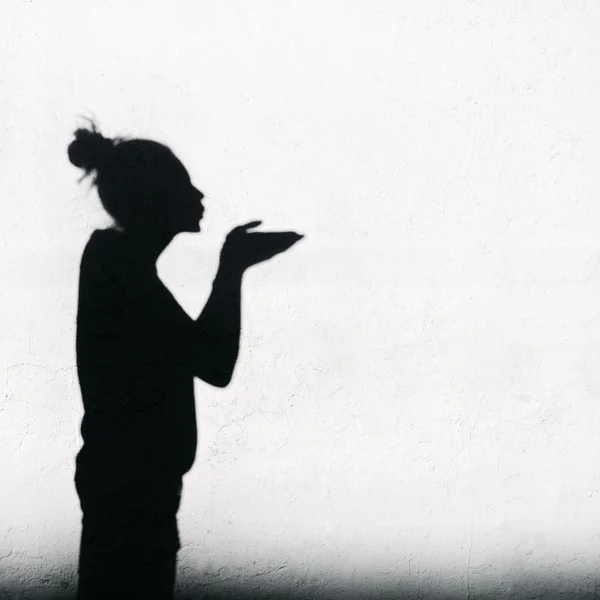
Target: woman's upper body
(133, 359)
(137, 350)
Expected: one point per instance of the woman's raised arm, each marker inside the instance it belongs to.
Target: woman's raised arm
(218, 328)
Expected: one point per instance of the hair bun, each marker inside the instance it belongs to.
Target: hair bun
(90, 150)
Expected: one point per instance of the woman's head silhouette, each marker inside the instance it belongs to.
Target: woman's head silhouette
(141, 183)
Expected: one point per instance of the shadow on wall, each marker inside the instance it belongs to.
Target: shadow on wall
(137, 355)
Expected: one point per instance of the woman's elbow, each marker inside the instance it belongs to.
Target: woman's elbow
(215, 371)
(219, 380)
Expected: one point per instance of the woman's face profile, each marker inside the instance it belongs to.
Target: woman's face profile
(184, 201)
(187, 207)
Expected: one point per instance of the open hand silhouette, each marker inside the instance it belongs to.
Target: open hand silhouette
(243, 249)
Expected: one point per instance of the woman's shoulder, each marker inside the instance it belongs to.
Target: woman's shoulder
(103, 249)
(105, 236)
(104, 241)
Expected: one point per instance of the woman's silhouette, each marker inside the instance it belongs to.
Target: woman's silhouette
(137, 355)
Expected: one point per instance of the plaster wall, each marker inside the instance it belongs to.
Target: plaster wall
(416, 403)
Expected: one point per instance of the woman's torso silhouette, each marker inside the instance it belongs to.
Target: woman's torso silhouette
(139, 425)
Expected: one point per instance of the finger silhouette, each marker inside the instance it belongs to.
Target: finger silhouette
(251, 224)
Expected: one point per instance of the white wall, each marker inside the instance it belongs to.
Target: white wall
(416, 403)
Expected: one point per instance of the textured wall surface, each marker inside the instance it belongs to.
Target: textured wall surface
(416, 408)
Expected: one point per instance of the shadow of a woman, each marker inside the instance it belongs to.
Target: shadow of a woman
(137, 355)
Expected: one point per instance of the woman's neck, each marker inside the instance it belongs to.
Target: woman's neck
(145, 247)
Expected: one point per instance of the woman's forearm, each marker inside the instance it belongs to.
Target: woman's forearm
(221, 315)
(220, 321)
